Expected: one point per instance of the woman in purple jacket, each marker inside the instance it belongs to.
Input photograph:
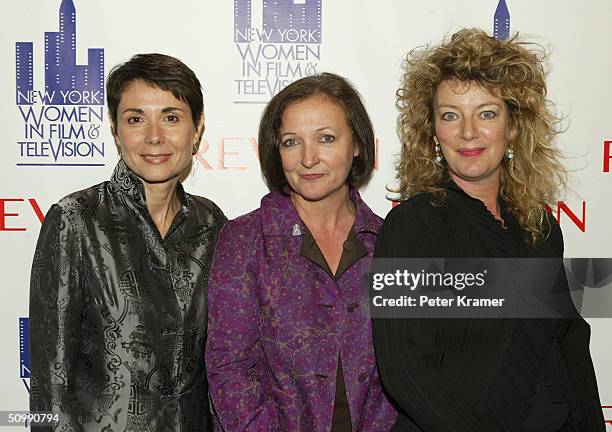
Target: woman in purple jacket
(289, 339)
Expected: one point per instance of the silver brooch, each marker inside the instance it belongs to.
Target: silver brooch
(296, 230)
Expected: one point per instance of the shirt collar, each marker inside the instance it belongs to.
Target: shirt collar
(281, 217)
(365, 219)
(352, 250)
(130, 185)
(506, 215)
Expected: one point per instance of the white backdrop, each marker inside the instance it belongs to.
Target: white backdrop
(364, 41)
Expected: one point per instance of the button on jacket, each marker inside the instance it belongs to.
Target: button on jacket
(278, 323)
(118, 314)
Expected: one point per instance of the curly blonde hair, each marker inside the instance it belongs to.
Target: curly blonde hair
(509, 69)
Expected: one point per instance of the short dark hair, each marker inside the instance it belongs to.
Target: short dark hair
(159, 70)
(338, 90)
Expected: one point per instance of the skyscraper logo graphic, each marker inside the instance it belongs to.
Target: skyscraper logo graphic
(301, 17)
(278, 41)
(501, 21)
(62, 74)
(62, 120)
(242, 20)
(24, 352)
(283, 21)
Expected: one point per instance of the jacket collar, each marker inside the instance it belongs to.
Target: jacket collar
(131, 186)
(281, 216)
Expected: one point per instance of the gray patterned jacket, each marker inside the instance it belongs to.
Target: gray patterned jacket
(118, 314)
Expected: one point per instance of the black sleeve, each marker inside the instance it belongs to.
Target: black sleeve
(576, 351)
(582, 375)
(56, 309)
(427, 399)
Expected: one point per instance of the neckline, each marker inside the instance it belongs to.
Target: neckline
(507, 225)
(278, 208)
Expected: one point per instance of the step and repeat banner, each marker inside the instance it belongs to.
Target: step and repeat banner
(56, 136)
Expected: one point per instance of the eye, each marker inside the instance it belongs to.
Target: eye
(134, 120)
(327, 138)
(449, 116)
(488, 115)
(289, 142)
(172, 118)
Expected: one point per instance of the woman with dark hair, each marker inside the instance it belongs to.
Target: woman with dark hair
(118, 287)
(290, 343)
(477, 168)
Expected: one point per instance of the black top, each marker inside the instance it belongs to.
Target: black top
(480, 374)
(118, 314)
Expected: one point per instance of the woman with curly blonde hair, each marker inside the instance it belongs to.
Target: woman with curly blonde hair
(477, 167)
(531, 174)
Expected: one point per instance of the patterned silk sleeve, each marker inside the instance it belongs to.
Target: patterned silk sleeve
(234, 360)
(56, 304)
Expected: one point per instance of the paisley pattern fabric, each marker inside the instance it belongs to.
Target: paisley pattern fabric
(279, 323)
(118, 314)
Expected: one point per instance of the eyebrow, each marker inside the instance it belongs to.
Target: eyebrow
(164, 110)
(136, 110)
(479, 106)
(322, 128)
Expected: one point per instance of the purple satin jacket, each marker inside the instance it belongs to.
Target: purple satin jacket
(278, 322)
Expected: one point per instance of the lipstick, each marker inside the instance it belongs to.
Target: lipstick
(471, 152)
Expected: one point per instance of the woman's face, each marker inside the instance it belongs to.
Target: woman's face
(472, 129)
(316, 148)
(155, 132)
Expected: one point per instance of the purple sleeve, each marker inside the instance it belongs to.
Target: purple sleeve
(235, 364)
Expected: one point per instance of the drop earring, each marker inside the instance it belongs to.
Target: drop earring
(509, 153)
(438, 152)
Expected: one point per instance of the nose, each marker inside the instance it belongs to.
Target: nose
(310, 155)
(154, 133)
(469, 129)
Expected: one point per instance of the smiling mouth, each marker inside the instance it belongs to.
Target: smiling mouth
(156, 158)
(471, 152)
(315, 176)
